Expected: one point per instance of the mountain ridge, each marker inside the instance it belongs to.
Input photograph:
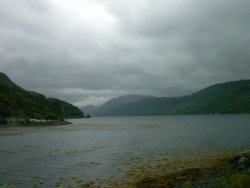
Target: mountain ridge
(221, 98)
(119, 101)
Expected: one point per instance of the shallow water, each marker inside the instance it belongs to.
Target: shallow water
(103, 147)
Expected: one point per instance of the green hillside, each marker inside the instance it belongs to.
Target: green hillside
(17, 102)
(229, 97)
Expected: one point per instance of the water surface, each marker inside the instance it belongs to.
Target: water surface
(98, 148)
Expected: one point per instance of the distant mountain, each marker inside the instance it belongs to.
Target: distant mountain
(114, 103)
(17, 102)
(90, 109)
(224, 98)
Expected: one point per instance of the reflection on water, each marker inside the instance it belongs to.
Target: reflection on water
(99, 148)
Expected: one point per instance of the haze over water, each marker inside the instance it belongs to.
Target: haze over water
(101, 147)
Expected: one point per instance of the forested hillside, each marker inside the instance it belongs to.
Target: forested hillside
(17, 102)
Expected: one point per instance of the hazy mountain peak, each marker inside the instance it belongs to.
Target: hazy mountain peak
(89, 109)
(121, 100)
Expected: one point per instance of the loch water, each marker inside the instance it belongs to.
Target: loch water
(102, 147)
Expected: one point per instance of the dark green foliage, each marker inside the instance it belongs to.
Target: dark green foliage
(225, 98)
(3, 121)
(64, 109)
(88, 116)
(17, 102)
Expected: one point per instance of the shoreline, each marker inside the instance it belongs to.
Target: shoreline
(35, 124)
(223, 169)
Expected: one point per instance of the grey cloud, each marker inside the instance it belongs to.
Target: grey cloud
(89, 51)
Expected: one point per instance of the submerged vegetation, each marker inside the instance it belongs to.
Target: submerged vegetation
(219, 170)
(227, 172)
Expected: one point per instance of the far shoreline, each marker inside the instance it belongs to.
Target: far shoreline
(38, 123)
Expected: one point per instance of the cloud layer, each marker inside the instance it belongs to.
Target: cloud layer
(87, 51)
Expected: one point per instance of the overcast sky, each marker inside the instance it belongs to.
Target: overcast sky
(88, 51)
